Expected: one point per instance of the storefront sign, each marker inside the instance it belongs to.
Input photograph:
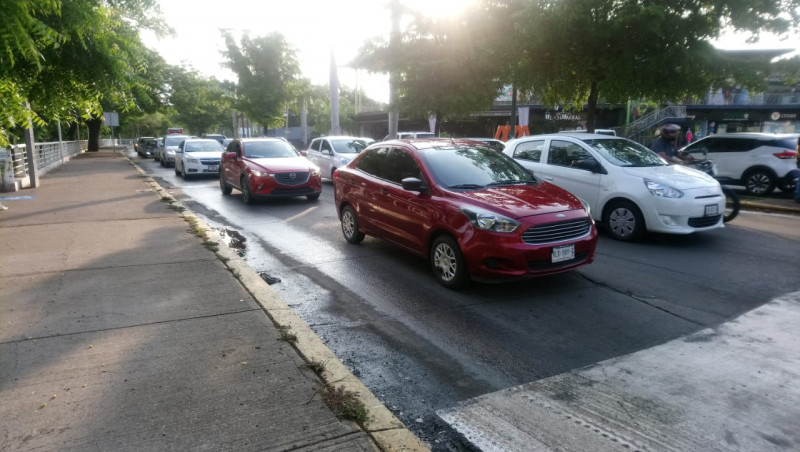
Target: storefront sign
(562, 116)
(735, 116)
(776, 115)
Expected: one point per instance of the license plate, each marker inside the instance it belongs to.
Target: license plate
(212, 169)
(711, 210)
(563, 253)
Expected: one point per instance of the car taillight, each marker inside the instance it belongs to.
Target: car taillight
(787, 154)
(335, 176)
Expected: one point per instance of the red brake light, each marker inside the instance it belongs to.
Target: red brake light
(787, 154)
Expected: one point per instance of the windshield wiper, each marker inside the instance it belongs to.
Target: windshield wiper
(509, 182)
(466, 186)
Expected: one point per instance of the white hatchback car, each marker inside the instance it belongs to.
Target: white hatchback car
(759, 161)
(629, 188)
(196, 156)
(334, 152)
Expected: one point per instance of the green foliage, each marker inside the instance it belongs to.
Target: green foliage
(268, 74)
(201, 104)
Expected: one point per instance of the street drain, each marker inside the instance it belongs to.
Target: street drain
(269, 279)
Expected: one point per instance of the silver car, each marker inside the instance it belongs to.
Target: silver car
(166, 153)
(331, 153)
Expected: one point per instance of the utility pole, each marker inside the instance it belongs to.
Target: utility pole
(394, 42)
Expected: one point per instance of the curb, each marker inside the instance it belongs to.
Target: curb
(764, 207)
(386, 430)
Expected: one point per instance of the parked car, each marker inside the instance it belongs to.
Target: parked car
(610, 132)
(630, 188)
(267, 168)
(145, 146)
(196, 156)
(497, 145)
(166, 153)
(331, 153)
(411, 135)
(474, 213)
(758, 161)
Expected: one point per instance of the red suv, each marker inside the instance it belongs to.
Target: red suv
(267, 168)
(474, 213)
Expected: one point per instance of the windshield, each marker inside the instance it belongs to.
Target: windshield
(268, 149)
(350, 146)
(622, 152)
(202, 146)
(473, 167)
(174, 141)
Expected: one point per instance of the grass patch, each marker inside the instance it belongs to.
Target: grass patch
(166, 198)
(345, 404)
(316, 366)
(286, 335)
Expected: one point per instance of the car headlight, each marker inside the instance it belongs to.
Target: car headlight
(488, 220)
(586, 206)
(259, 173)
(192, 161)
(314, 170)
(662, 190)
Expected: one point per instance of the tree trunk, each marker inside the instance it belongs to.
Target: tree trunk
(94, 133)
(591, 107)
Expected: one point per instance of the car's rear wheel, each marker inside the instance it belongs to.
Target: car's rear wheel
(448, 264)
(759, 182)
(350, 226)
(247, 194)
(624, 221)
(223, 186)
(178, 173)
(333, 171)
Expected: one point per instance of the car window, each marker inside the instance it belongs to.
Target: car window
(174, 140)
(565, 153)
(350, 146)
(326, 146)
(269, 149)
(472, 167)
(622, 152)
(529, 150)
(731, 145)
(372, 161)
(785, 143)
(201, 146)
(398, 165)
(315, 145)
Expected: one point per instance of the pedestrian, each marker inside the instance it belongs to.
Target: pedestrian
(689, 136)
(666, 144)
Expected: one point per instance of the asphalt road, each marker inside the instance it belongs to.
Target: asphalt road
(420, 347)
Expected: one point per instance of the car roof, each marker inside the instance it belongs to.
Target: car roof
(345, 137)
(201, 139)
(764, 135)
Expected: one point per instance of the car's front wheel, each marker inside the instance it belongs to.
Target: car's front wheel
(759, 182)
(313, 197)
(624, 221)
(350, 226)
(223, 186)
(448, 264)
(247, 194)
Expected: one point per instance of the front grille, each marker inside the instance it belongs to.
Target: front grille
(210, 162)
(292, 191)
(704, 222)
(297, 178)
(557, 232)
(545, 265)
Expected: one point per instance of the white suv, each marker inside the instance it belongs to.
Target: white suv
(758, 161)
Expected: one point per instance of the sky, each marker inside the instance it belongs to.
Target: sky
(314, 28)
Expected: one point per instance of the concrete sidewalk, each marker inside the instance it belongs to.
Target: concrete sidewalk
(126, 327)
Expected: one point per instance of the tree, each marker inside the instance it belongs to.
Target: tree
(575, 51)
(65, 58)
(268, 74)
(201, 104)
(443, 66)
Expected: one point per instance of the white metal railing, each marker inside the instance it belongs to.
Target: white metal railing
(649, 120)
(48, 156)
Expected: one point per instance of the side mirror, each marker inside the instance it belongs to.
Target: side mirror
(590, 165)
(178, 151)
(304, 153)
(414, 184)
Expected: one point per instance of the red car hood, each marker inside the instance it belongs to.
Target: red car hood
(283, 165)
(517, 201)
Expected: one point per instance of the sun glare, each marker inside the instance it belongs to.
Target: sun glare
(437, 8)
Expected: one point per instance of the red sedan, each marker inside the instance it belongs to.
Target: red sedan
(474, 213)
(267, 168)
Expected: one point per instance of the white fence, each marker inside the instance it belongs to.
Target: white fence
(48, 155)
